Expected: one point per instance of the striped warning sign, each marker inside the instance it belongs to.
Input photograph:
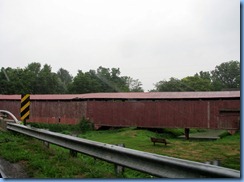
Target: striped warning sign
(25, 107)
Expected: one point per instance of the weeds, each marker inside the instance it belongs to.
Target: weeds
(83, 126)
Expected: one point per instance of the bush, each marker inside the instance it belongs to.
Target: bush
(174, 131)
(85, 125)
(54, 127)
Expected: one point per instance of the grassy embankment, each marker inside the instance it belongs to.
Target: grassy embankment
(55, 162)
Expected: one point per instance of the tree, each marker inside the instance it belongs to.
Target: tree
(196, 83)
(226, 76)
(31, 73)
(41, 80)
(35, 79)
(204, 75)
(134, 85)
(110, 80)
(190, 83)
(65, 79)
(48, 81)
(11, 81)
(173, 85)
(84, 83)
(103, 80)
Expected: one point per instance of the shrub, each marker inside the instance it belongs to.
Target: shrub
(85, 125)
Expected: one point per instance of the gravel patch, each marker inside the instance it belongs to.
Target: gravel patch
(12, 170)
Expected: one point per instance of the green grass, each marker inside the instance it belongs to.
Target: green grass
(227, 149)
(55, 162)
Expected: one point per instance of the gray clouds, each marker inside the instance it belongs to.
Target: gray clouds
(149, 40)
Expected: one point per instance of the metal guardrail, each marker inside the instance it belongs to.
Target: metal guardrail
(10, 114)
(150, 163)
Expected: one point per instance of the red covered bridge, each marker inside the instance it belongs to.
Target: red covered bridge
(215, 110)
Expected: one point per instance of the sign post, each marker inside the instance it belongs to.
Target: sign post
(25, 107)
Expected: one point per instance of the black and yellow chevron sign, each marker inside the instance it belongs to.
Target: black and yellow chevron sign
(25, 107)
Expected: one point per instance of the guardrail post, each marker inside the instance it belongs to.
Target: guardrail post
(119, 170)
(73, 153)
(216, 162)
(187, 132)
(95, 160)
(46, 144)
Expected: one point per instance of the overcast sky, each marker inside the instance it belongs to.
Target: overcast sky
(149, 40)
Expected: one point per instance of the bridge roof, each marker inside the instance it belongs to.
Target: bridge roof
(130, 96)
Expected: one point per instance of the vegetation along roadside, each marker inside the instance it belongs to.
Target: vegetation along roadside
(55, 162)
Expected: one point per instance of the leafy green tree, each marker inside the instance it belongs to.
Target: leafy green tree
(40, 80)
(103, 80)
(31, 73)
(173, 85)
(35, 79)
(65, 79)
(64, 75)
(84, 83)
(48, 82)
(11, 81)
(226, 76)
(134, 85)
(119, 82)
(196, 83)
(110, 80)
(204, 75)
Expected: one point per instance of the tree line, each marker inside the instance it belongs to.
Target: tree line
(225, 76)
(35, 79)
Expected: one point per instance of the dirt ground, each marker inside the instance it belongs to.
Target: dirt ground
(12, 170)
(208, 134)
